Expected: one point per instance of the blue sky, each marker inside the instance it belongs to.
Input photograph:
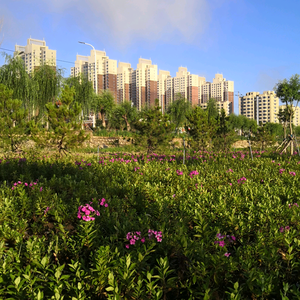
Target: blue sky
(255, 43)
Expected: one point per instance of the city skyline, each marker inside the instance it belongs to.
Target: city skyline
(253, 43)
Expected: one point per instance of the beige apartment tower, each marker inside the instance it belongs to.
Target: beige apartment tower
(106, 70)
(260, 107)
(35, 54)
(296, 120)
(144, 84)
(124, 80)
(162, 88)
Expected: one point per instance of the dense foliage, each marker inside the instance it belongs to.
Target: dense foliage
(148, 227)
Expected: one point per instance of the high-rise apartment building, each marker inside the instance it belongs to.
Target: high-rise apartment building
(106, 70)
(124, 79)
(144, 84)
(260, 107)
(296, 120)
(35, 54)
(162, 88)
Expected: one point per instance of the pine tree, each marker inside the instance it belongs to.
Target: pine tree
(200, 129)
(65, 126)
(12, 119)
(153, 129)
(225, 134)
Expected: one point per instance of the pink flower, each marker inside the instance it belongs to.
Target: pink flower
(230, 183)
(227, 254)
(12, 188)
(293, 173)
(143, 240)
(127, 246)
(132, 241)
(105, 205)
(26, 184)
(281, 229)
(41, 189)
(222, 243)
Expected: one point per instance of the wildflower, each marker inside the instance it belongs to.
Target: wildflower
(293, 173)
(127, 246)
(281, 171)
(227, 254)
(222, 243)
(281, 229)
(12, 188)
(173, 195)
(220, 236)
(143, 240)
(230, 183)
(26, 184)
(132, 241)
(287, 228)
(41, 189)
(105, 205)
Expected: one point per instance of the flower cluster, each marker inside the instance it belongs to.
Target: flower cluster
(222, 239)
(133, 237)
(102, 202)
(241, 180)
(30, 185)
(283, 229)
(295, 204)
(156, 234)
(87, 212)
(193, 173)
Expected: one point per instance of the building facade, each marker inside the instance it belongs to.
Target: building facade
(106, 70)
(35, 54)
(260, 107)
(141, 86)
(296, 119)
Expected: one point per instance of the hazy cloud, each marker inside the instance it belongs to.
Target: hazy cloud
(127, 20)
(267, 79)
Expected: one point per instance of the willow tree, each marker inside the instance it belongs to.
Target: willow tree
(14, 76)
(46, 83)
(288, 92)
(84, 92)
(178, 111)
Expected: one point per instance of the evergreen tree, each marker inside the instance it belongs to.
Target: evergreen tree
(12, 119)
(200, 130)
(65, 126)
(263, 137)
(153, 129)
(225, 134)
(212, 110)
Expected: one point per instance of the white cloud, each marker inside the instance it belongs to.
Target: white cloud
(125, 21)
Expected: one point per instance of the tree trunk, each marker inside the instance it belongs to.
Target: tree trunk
(291, 130)
(127, 123)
